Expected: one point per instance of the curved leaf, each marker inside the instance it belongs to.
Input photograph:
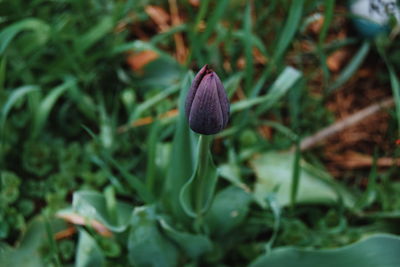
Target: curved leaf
(274, 173)
(146, 245)
(93, 205)
(193, 245)
(88, 252)
(377, 250)
(8, 34)
(197, 193)
(229, 209)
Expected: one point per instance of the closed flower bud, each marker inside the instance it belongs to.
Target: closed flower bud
(207, 106)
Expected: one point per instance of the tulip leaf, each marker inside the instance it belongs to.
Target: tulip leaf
(376, 250)
(147, 246)
(181, 164)
(33, 249)
(93, 205)
(274, 173)
(194, 245)
(228, 210)
(197, 193)
(88, 252)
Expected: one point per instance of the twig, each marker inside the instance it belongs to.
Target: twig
(322, 135)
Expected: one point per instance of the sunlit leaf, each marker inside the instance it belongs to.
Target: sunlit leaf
(194, 245)
(274, 173)
(146, 244)
(374, 251)
(93, 205)
(88, 252)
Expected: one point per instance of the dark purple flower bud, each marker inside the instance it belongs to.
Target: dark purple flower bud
(207, 106)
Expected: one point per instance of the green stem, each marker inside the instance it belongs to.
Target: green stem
(204, 144)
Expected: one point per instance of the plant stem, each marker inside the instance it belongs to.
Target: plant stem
(204, 143)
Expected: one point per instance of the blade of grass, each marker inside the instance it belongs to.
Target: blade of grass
(100, 30)
(328, 15)
(352, 67)
(285, 39)
(213, 19)
(248, 47)
(142, 107)
(295, 175)
(9, 33)
(45, 106)
(394, 81)
(194, 35)
(2, 72)
(282, 84)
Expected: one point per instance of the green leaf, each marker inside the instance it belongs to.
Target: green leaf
(352, 67)
(228, 211)
(197, 193)
(285, 38)
(44, 108)
(41, 29)
(93, 205)
(33, 249)
(102, 28)
(231, 172)
(146, 244)
(248, 47)
(88, 252)
(181, 165)
(15, 96)
(279, 88)
(274, 173)
(3, 63)
(378, 250)
(193, 245)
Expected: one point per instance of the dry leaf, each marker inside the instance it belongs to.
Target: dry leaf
(336, 60)
(138, 60)
(159, 16)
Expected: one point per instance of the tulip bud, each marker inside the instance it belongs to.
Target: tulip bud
(207, 106)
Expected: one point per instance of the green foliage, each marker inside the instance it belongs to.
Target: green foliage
(72, 144)
(378, 250)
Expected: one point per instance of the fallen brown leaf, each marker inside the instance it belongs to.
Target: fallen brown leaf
(138, 60)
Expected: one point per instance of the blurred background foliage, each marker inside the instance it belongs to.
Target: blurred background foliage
(89, 94)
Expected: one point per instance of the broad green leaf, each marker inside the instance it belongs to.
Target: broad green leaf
(33, 249)
(374, 251)
(93, 205)
(274, 173)
(146, 244)
(193, 245)
(231, 172)
(228, 211)
(181, 164)
(88, 252)
(8, 34)
(197, 193)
